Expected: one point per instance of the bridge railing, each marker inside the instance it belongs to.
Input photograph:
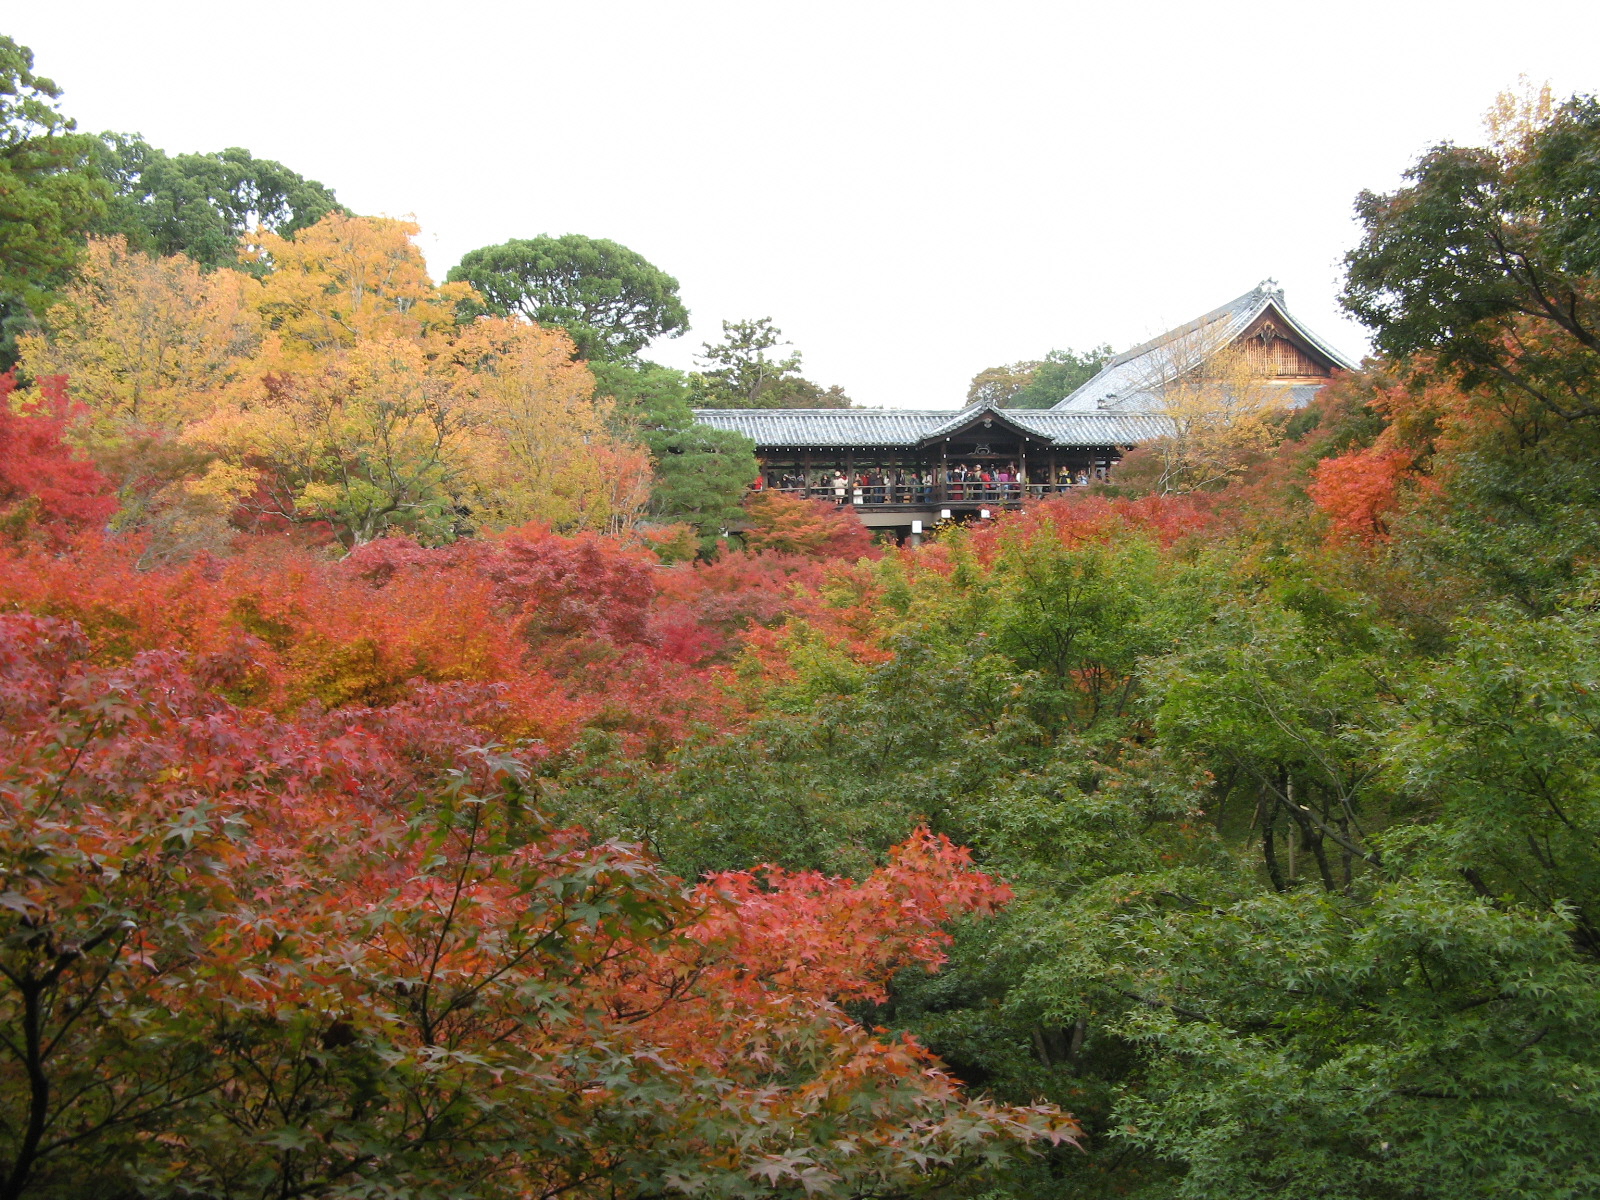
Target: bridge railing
(910, 495)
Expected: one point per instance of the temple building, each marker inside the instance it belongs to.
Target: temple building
(906, 469)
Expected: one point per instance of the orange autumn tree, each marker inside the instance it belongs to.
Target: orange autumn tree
(342, 953)
(46, 486)
(374, 410)
(814, 528)
(1359, 491)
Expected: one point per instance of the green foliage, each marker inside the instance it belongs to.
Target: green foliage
(737, 372)
(1420, 1044)
(701, 473)
(610, 300)
(1042, 383)
(702, 476)
(50, 193)
(1501, 739)
(1521, 525)
(201, 205)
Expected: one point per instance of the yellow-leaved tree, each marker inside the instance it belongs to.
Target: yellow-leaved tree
(347, 279)
(150, 346)
(146, 341)
(375, 410)
(542, 447)
(1224, 413)
(366, 439)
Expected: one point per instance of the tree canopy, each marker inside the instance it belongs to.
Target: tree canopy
(50, 193)
(737, 372)
(610, 300)
(201, 205)
(1040, 383)
(429, 768)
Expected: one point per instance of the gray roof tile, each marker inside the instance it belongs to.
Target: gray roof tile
(901, 428)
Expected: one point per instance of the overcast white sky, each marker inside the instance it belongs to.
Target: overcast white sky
(913, 191)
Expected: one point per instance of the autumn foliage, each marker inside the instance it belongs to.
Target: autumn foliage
(346, 908)
(1358, 491)
(791, 525)
(45, 482)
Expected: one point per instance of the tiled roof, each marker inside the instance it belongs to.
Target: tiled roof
(1128, 382)
(904, 428)
(825, 426)
(1092, 428)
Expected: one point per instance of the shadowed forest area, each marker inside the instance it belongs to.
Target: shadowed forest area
(427, 772)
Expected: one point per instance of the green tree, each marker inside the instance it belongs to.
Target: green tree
(202, 204)
(607, 297)
(1482, 277)
(1422, 1043)
(737, 372)
(1041, 383)
(701, 473)
(1500, 738)
(1489, 257)
(50, 193)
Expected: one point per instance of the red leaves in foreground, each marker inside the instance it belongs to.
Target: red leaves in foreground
(339, 952)
(42, 478)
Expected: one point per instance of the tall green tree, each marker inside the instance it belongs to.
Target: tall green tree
(202, 204)
(50, 192)
(607, 297)
(701, 473)
(1489, 257)
(739, 372)
(1481, 276)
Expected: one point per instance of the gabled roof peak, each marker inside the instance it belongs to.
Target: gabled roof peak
(1135, 372)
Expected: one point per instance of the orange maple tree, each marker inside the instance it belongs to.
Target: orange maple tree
(343, 950)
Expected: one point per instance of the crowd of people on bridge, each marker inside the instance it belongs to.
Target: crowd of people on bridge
(904, 485)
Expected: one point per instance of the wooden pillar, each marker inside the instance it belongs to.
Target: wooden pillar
(1022, 468)
(941, 485)
(1052, 469)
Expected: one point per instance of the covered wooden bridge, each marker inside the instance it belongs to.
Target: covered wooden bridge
(894, 467)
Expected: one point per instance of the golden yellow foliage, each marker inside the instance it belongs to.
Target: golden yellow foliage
(338, 389)
(1516, 116)
(541, 447)
(347, 279)
(372, 436)
(146, 341)
(1224, 412)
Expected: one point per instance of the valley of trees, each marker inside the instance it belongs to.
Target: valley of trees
(408, 790)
